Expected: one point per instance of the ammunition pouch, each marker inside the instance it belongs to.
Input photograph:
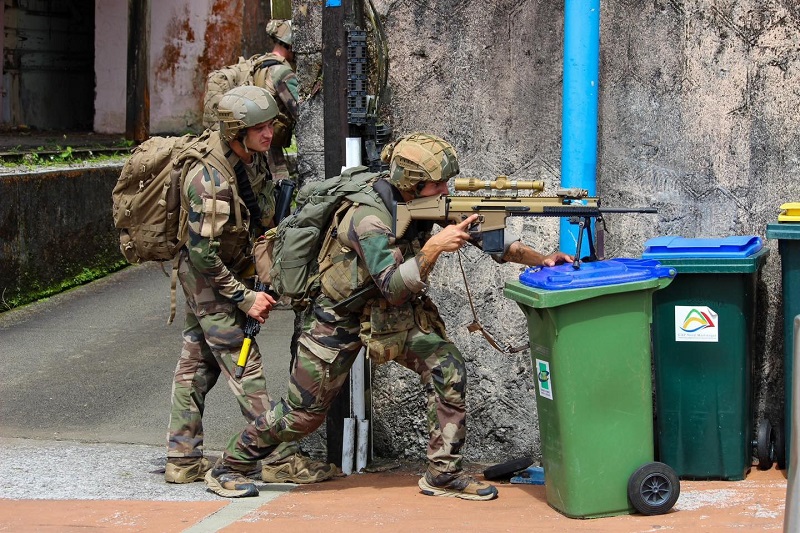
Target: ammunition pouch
(282, 131)
(384, 329)
(427, 318)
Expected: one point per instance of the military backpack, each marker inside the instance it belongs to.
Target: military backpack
(295, 249)
(146, 200)
(252, 71)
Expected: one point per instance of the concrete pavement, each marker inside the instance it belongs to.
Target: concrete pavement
(84, 400)
(55, 486)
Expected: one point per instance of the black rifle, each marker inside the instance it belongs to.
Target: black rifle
(283, 203)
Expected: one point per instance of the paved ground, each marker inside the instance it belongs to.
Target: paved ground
(55, 486)
(84, 396)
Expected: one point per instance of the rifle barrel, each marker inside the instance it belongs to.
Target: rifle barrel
(628, 210)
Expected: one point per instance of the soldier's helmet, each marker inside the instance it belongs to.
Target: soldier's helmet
(243, 107)
(280, 30)
(417, 158)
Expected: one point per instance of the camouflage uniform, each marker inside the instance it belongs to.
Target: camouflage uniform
(210, 269)
(280, 80)
(401, 325)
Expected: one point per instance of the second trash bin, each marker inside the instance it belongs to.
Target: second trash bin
(703, 343)
(589, 334)
(787, 231)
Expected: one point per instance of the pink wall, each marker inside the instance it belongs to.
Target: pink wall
(187, 39)
(111, 55)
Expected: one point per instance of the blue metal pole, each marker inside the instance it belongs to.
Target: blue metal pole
(579, 105)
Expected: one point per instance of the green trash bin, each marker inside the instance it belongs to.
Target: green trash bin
(703, 343)
(788, 234)
(589, 333)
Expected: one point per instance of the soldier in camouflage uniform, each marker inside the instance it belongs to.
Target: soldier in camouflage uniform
(222, 203)
(280, 80)
(396, 322)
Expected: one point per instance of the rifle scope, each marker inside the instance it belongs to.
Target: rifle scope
(499, 184)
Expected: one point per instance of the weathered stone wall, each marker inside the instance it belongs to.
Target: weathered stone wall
(54, 226)
(698, 117)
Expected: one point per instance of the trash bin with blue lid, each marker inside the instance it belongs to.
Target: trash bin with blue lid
(589, 335)
(703, 344)
(787, 232)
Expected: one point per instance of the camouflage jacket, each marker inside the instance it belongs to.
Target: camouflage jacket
(218, 240)
(365, 233)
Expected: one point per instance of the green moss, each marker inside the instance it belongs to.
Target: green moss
(36, 291)
(65, 156)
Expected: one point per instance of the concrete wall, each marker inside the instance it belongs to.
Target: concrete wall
(698, 117)
(51, 228)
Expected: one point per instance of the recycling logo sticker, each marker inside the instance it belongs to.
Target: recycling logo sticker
(544, 378)
(697, 323)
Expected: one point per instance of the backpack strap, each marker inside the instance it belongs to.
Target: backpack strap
(259, 71)
(331, 235)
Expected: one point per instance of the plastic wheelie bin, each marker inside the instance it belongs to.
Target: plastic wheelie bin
(589, 333)
(787, 231)
(703, 342)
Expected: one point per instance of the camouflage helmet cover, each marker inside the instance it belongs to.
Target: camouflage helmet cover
(243, 107)
(419, 157)
(280, 30)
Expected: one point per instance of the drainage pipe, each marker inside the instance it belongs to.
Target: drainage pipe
(579, 105)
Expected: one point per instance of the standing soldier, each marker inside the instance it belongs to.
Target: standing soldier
(220, 209)
(276, 74)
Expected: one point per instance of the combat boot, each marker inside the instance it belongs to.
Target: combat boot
(229, 483)
(456, 485)
(186, 469)
(297, 468)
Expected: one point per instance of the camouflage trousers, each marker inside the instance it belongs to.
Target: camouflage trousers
(212, 339)
(326, 351)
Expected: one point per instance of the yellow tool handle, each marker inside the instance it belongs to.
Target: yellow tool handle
(243, 357)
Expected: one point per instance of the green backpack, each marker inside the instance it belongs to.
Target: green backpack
(302, 238)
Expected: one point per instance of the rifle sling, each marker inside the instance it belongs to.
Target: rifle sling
(476, 324)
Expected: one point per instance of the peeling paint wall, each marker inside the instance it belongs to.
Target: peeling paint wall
(110, 65)
(187, 40)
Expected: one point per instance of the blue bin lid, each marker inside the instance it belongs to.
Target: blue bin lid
(670, 247)
(594, 274)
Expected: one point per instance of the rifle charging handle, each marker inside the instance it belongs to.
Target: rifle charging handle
(498, 184)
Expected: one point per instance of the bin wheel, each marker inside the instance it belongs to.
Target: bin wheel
(654, 488)
(779, 447)
(505, 470)
(764, 448)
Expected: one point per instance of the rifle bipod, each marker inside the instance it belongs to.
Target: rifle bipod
(585, 223)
